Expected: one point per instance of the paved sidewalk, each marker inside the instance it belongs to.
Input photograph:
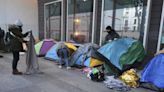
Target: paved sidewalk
(53, 79)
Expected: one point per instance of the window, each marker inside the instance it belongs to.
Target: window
(53, 17)
(79, 24)
(115, 14)
(107, 18)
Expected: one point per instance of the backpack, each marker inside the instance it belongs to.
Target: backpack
(97, 75)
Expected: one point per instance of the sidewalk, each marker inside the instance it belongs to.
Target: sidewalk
(52, 80)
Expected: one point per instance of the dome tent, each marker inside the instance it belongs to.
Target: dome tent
(43, 46)
(122, 52)
(52, 52)
(87, 55)
(153, 73)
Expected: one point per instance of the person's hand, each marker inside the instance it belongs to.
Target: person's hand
(29, 32)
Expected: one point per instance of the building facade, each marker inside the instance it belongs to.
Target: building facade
(86, 20)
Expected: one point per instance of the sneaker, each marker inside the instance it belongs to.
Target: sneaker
(68, 68)
(60, 66)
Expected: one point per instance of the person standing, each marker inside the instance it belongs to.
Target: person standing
(16, 40)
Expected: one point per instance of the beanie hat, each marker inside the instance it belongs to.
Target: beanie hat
(18, 23)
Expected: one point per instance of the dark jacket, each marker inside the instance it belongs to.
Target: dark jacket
(63, 52)
(111, 35)
(2, 33)
(16, 39)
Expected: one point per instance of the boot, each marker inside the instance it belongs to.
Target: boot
(16, 72)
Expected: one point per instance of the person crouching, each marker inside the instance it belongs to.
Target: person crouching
(63, 54)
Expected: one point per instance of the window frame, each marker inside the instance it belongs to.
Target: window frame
(161, 28)
(93, 20)
(45, 31)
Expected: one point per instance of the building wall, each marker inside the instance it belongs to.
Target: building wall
(153, 32)
(25, 10)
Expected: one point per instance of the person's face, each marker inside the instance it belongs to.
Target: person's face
(108, 30)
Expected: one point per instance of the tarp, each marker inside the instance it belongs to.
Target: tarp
(42, 47)
(115, 49)
(31, 58)
(52, 52)
(88, 55)
(153, 72)
(80, 55)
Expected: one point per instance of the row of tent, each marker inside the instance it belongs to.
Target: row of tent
(117, 56)
(119, 52)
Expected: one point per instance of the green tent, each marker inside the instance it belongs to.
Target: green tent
(135, 53)
(38, 47)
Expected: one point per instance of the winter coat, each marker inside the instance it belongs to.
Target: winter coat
(111, 35)
(2, 33)
(16, 39)
(63, 52)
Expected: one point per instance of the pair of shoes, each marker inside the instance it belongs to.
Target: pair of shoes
(68, 68)
(60, 66)
(16, 72)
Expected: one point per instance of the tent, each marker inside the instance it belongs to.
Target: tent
(81, 53)
(52, 52)
(124, 51)
(153, 72)
(87, 55)
(42, 47)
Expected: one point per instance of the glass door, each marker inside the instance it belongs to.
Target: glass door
(79, 20)
(53, 20)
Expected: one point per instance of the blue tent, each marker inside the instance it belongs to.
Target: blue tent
(80, 54)
(153, 72)
(115, 49)
(52, 53)
(87, 55)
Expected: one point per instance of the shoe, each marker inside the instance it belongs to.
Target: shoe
(16, 72)
(68, 68)
(60, 66)
(1, 56)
